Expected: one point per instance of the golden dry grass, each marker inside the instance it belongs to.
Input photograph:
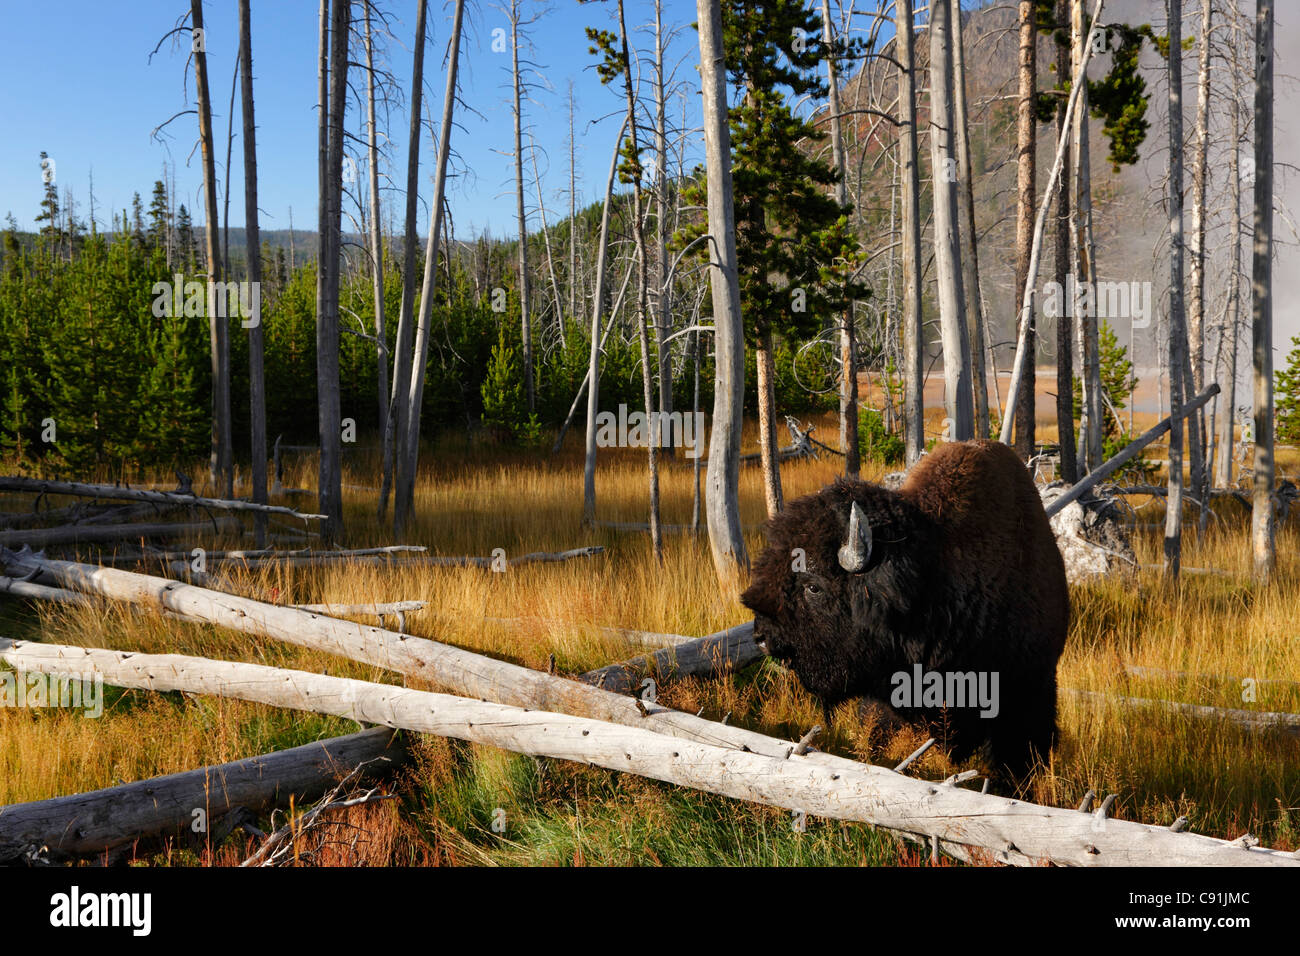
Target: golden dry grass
(472, 499)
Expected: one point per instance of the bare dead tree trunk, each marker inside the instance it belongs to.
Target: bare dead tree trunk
(593, 367)
(395, 431)
(913, 373)
(404, 502)
(1026, 148)
(221, 462)
(722, 489)
(333, 89)
(848, 339)
(1228, 417)
(573, 212)
(1064, 321)
(1263, 545)
(970, 262)
(524, 317)
(1177, 330)
(376, 239)
(546, 242)
(767, 445)
(256, 373)
(1196, 312)
(958, 397)
(642, 309)
(663, 295)
(1091, 420)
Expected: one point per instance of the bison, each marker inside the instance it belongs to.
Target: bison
(954, 581)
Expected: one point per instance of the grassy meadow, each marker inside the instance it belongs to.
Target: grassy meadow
(472, 499)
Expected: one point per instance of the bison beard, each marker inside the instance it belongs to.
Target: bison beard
(958, 571)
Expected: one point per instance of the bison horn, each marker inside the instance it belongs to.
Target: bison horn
(856, 550)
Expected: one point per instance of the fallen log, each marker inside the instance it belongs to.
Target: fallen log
(1130, 451)
(91, 823)
(41, 592)
(1144, 671)
(299, 557)
(89, 534)
(391, 607)
(464, 672)
(791, 781)
(651, 639)
(715, 654)
(84, 490)
(1253, 720)
(536, 557)
(401, 554)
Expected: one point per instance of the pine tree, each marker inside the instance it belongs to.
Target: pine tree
(1286, 397)
(184, 238)
(159, 219)
(49, 204)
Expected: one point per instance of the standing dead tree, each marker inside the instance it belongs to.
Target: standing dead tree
(913, 341)
(222, 457)
(256, 371)
(409, 448)
(395, 430)
(722, 494)
(331, 91)
(958, 396)
(1263, 531)
(1177, 329)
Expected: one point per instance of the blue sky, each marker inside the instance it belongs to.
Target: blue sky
(76, 82)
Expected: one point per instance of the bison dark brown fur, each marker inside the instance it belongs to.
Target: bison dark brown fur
(962, 574)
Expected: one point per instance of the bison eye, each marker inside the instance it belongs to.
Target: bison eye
(812, 589)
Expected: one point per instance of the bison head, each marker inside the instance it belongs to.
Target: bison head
(843, 591)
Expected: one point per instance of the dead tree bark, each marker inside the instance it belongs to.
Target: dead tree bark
(1091, 421)
(1020, 402)
(913, 340)
(84, 534)
(104, 820)
(222, 460)
(1064, 320)
(1177, 330)
(732, 649)
(593, 364)
(970, 262)
(80, 489)
(663, 294)
(848, 338)
(376, 237)
(525, 318)
(395, 432)
(958, 396)
(256, 372)
(332, 91)
(642, 305)
(722, 494)
(1263, 531)
(1228, 417)
(404, 504)
(1196, 312)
